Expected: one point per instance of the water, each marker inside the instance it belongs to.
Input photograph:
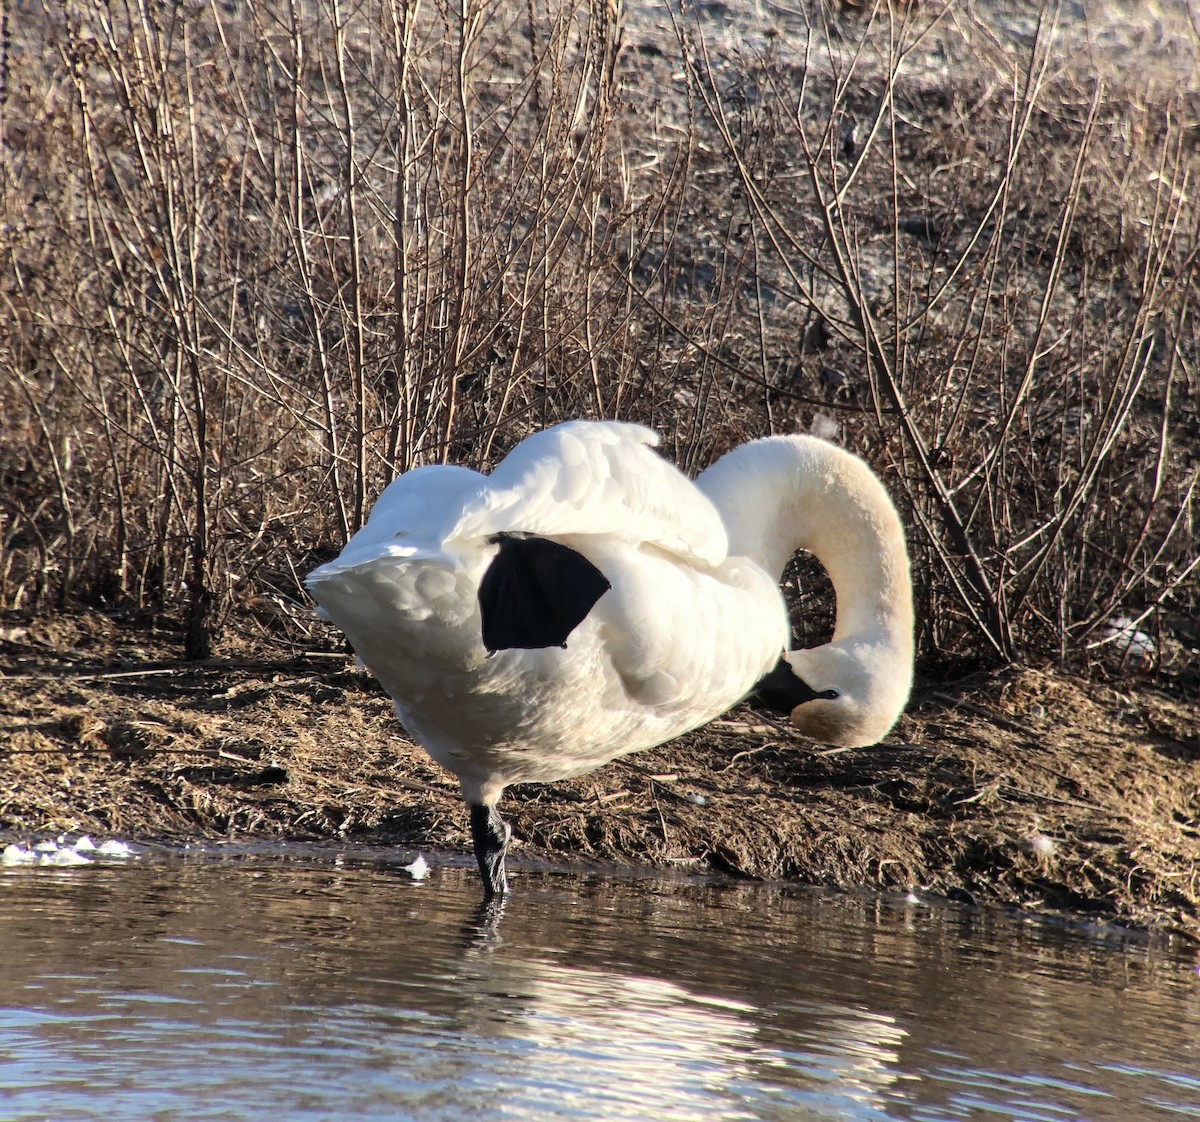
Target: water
(321, 988)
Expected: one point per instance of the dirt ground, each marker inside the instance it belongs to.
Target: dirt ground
(1028, 789)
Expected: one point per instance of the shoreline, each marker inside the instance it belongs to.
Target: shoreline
(984, 794)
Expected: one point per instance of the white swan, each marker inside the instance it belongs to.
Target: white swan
(587, 600)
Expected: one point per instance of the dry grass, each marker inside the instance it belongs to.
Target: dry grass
(254, 263)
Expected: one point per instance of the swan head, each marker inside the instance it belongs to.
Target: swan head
(860, 689)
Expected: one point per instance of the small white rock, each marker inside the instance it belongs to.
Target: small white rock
(114, 848)
(1134, 648)
(84, 845)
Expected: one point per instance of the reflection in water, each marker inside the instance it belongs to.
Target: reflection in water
(311, 989)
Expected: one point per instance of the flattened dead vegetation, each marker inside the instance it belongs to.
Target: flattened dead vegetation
(1026, 788)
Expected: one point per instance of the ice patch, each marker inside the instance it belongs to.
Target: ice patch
(61, 852)
(18, 855)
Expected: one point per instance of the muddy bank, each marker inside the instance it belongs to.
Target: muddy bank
(1027, 788)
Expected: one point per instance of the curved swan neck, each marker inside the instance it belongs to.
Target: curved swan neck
(786, 493)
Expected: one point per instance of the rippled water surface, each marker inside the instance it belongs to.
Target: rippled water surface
(323, 988)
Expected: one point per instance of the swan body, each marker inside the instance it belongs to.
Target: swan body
(586, 600)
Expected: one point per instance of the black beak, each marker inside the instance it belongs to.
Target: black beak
(782, 690)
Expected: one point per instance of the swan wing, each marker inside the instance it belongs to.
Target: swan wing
(594, 478)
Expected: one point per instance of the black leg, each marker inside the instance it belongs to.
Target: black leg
(490, 834)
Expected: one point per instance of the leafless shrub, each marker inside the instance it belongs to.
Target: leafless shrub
(1013, 267)
(259, 258)
(275, 256)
